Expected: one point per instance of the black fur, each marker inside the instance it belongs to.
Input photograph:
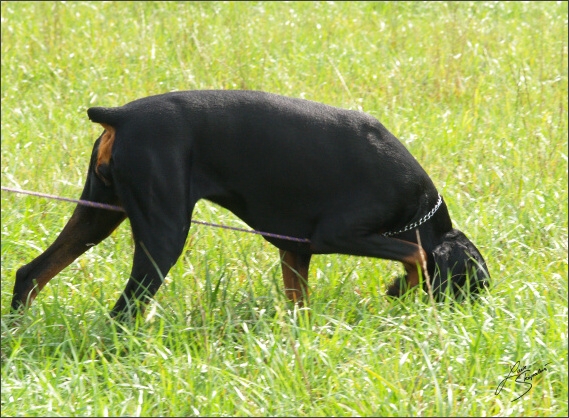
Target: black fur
(283, 165)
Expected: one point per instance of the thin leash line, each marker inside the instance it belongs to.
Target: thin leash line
(99, 205)
(66, 199)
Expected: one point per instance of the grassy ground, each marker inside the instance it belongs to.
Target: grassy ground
(476, 91)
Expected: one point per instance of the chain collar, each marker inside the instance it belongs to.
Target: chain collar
(417, 223)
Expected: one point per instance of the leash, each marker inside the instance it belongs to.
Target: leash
(65, 199)
(99, 205)
(120, 209)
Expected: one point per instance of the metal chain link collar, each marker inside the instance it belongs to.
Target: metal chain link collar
(417, 223)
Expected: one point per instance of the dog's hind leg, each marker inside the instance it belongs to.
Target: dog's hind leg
(151, 263)
(86, 228)
(295, 275)
(160, 217)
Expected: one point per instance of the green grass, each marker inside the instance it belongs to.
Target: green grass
(476, 91)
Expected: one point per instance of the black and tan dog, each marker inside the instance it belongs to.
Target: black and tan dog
(285, 166)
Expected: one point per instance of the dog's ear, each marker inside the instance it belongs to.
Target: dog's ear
(459, 269)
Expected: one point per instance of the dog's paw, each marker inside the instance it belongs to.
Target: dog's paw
(397, 288)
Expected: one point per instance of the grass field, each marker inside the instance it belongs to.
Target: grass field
(476, 91)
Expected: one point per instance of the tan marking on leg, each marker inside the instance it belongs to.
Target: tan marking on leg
(72, 241)
(295, 277)
(105, 145)
(412, 265)
(426, 276)
(56, 265)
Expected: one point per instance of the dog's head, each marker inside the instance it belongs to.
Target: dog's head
(457, 268)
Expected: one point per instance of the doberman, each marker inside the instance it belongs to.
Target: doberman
(287, 166)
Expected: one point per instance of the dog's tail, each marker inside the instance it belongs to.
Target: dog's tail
(105, 115)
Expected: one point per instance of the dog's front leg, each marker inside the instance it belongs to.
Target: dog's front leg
(415, 269)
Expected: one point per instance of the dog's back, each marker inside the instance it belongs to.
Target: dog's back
(258, 153)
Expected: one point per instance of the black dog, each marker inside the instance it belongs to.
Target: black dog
(285, 166)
